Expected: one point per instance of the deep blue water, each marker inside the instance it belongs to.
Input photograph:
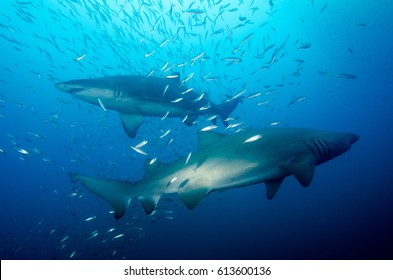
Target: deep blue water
(300, 49)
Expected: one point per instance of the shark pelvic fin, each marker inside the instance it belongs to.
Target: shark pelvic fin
(191, 197)
(206, 138)
(303, 169)
(272, 187)
(117, 193)
(149, 203)
(131, 123)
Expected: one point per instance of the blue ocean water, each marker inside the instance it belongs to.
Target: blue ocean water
(323, 64)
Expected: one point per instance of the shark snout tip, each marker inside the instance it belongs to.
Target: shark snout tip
(59, 85)
(355, 138)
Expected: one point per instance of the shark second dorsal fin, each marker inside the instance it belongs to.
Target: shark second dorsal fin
(303, 169)
(272, 187)
(131, 123)
(191, 197)
(207, 138)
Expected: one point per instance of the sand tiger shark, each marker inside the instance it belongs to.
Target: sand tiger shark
(137, 96)
(227, 161)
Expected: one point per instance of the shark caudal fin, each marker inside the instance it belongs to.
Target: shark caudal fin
(117, 193)
(226, 108)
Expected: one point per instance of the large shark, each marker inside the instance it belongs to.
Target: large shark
(227, 161)
(137, 96)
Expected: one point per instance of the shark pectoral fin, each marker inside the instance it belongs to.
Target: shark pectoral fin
(149, 203)
(117, 193)
(303, 169)
(131, 123)
(191, 197)
(272, 187)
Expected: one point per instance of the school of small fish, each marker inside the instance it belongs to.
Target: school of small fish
(223, 49)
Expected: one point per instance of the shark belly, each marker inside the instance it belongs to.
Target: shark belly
(146, 107)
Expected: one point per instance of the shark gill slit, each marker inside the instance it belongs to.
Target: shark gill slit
(317, 149)
(118, 90)
(115, 91)
(325, 147)
(312, 148)
(320, 148)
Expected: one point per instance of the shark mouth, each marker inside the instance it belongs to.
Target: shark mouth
(69, 89)
(75, 90)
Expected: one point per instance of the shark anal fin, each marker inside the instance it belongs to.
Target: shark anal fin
(117, 193)
(272, 187)
(191, 197)
(190, 119)
(303, 169)
(149, 203)
(131, 123)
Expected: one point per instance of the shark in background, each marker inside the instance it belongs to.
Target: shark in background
(137, 96)
(227, 161)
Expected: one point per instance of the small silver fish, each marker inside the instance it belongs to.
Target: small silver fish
(118, 236)
(177, 100)
(165, 133)
(81, 57)
(139, 151)
(208, 128)
(188, 158)
(141, 144)
(101, 105)
(64, 239)
(165, 89)
(153, 161)
(253, 138)
(165, 116)
(199, 97)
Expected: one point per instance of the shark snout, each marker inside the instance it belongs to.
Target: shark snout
(350, 139)
(355, 138)
(60, 86)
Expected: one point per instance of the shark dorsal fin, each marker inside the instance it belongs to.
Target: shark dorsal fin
(303, 169)
(206, 138)
(272, 187)
(191, 197)
(149, 203)
(131, 123)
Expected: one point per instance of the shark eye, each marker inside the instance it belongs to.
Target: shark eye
(75, 90)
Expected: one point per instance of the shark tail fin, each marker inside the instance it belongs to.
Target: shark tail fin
(117, 193)
(226, 108)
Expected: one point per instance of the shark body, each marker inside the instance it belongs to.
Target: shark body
(227, 161)
(137, 96)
